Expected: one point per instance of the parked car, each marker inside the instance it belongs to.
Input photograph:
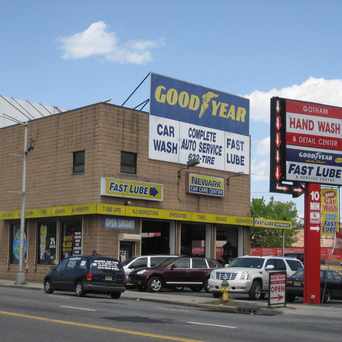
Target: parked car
(87, 274)
(192, 272)
(144, 261)
(331, 286)
(299, 256)
(250, 274)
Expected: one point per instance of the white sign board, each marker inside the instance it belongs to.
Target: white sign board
(277, 284)
(178, 142)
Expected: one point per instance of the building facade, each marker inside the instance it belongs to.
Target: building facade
(91, 187)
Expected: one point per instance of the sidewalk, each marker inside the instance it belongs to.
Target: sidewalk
(208, 303)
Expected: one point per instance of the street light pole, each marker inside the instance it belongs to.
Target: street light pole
(20, 277)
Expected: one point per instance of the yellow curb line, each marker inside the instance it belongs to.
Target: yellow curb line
(99, 327)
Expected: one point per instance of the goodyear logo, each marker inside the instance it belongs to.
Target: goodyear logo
(190, 103)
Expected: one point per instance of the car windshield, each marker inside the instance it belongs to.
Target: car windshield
(299, 275)
(247, 262)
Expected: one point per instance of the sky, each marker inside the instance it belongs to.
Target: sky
(73, 53)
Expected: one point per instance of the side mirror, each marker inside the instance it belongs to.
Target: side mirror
(269, 267)
(172, 267)
(226, 265)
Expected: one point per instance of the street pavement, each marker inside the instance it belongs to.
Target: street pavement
(30, 315)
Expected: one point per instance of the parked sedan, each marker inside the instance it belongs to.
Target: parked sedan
(182, 271)
(331, 286)
(87, 274)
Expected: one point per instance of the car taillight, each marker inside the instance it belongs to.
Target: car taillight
(89, 276)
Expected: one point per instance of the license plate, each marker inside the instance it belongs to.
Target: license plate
(297, 283)
(108, 278)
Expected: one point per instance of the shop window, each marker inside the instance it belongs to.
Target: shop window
(78, 166)
(155, 238)
(15, 243)
(226, 244)
(128, 162)
(71, 238)
(47, 239)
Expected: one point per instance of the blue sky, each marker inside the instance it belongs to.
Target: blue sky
(253, 48)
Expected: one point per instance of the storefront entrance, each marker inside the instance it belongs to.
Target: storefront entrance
(126, 250)
(193, 240)
(226, 243)
(155, 237)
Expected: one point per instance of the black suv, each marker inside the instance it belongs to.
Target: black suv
(87, 274)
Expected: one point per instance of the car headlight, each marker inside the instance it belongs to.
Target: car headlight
(244, 276)
(141, 272)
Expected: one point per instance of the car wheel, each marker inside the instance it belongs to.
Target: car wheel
(115, 295)
(327, 297)
(155, 284)
(290, 298)
(216, 294)
(196, 288)
(255, 292)
(79, 290)
(48, 286)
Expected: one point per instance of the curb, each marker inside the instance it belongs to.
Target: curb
(237, 309)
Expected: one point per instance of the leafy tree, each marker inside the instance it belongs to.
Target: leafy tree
(273, 210)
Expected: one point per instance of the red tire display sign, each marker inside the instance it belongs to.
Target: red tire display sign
(276, 288)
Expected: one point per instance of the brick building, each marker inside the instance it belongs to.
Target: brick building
(68, 213)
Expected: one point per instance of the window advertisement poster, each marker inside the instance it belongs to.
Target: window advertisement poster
(330, 217)
(189, 122)
(277, 285)
(72, 239)
(15, 244)
(313, 143)
(47, 243)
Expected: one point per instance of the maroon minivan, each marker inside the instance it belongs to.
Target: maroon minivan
(190, 272)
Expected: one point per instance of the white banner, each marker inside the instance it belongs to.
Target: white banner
(178, 142)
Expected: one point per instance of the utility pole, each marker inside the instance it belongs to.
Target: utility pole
(20, 277)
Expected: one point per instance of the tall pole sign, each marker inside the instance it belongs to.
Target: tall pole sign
(312, 221)
(306, 151)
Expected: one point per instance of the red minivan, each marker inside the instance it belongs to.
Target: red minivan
(192, 272)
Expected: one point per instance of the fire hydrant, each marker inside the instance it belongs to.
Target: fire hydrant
(224, 290)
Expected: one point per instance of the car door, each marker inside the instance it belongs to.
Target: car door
(177, 273)
(57, 276)
(199, 271)
(71, 273)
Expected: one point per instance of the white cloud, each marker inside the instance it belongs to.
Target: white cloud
(97, 41)
(313, 89)
(260, 166)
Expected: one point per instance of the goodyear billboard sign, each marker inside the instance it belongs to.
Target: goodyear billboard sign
(205, 185)
(188, 122)
(116, 187)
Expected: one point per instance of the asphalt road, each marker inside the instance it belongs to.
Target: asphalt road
(28, 315)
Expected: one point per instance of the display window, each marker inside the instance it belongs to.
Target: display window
(15, 243)
(47, 242)
(71, 238)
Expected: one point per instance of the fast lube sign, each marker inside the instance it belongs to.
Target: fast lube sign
(192, 122)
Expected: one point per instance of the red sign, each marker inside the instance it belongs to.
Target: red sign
(312, 244)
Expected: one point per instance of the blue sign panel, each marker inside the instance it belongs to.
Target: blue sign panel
(186, 102)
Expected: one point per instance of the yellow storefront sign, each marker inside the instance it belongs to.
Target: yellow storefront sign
(117, 187)
(205, 185)
(143, 212)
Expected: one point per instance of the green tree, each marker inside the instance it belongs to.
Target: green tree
(278, 211)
